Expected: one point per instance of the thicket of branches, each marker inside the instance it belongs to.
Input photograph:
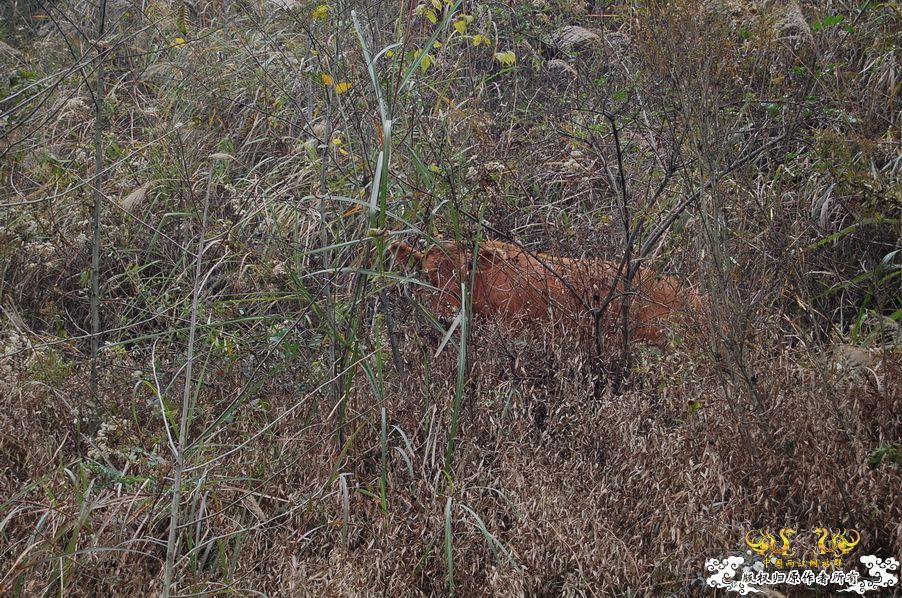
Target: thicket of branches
(214, 377)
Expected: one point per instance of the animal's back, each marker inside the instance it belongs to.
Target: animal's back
(516, 286)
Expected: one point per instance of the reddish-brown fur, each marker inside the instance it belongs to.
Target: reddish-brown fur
(516, 286)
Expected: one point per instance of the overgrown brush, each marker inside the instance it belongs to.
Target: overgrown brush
(277, 410)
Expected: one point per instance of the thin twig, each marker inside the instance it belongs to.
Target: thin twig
(179, 457)
(98, 211)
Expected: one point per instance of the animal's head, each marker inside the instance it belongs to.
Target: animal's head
(446, 265)
(403, 252)
(440, 266)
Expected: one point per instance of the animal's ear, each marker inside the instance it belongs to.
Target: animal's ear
(490, 253)
(441, 260)
(402, 252)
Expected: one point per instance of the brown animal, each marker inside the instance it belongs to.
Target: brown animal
(517, 286)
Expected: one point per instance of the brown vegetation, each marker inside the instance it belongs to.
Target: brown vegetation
(210, 187)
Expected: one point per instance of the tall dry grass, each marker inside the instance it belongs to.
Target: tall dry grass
(277, 411)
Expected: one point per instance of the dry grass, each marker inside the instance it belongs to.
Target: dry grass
(762, 141)
(583, 492)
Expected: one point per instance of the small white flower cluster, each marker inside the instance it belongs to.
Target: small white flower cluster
(118, 357)
(82, 158)
(573, 165)
(106, 439)
(237, 201)
(27, 227)
(38, 253)
(473, 172)
(11, 342)
(72, 108)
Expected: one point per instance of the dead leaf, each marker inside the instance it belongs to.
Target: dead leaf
(135, 197)
(572, 35)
